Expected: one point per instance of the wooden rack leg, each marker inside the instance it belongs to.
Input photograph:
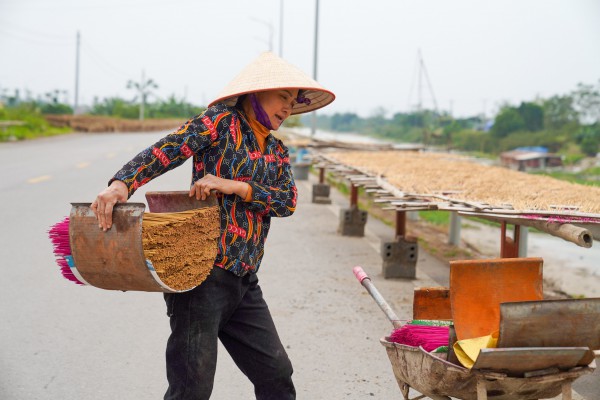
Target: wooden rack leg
(566, 391)
(509, 247)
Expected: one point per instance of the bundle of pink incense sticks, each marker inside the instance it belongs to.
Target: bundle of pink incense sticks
(59, 235)
(426, 336)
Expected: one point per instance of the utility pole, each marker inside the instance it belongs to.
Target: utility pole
(314, 113)
(281, 28)
(185, 102)
(143, 97)
(76, 104)
(420, 84)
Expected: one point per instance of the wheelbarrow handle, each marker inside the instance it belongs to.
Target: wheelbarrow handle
(364, 280)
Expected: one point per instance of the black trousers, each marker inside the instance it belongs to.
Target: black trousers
(231, 309)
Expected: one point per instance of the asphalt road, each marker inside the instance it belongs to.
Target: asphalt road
(62, 341)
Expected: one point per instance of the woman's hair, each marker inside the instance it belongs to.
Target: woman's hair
(239, 101)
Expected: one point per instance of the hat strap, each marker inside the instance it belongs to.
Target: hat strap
(259, 112)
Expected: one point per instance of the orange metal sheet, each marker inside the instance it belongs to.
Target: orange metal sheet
(115, 260)
(432, 303)
(477, 287)
(112, 260)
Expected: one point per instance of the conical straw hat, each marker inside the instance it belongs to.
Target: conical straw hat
(270, 72)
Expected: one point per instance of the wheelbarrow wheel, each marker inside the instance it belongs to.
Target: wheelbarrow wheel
(405, 389)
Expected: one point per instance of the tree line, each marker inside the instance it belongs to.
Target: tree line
(51, 103)
(568, 124)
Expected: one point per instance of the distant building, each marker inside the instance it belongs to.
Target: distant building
(524, 159)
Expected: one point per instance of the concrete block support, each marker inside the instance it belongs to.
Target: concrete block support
(400, 258)
(352, 222)
(300, 171)
(321, 190)
(320, 193)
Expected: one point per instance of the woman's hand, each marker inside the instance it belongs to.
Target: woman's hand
(105, 202)
(202, 187)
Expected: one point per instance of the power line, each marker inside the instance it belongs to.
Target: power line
(412, 84)
(103, 64)
(426, 74)
(36, 40)
(31, 32)
(269, 26)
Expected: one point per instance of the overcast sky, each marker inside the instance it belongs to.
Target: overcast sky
(477, 53)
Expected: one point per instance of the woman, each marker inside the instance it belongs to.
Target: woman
(235, 154)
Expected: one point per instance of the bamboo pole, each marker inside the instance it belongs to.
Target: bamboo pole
(569, 232)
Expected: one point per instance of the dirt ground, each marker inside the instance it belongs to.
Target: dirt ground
(99, 123)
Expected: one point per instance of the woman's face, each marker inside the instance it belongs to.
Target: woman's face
(277, 104)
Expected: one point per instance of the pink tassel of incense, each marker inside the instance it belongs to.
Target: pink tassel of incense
(59, 235)
(428, 337)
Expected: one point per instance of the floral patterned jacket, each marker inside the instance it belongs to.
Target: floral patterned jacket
(221, 142)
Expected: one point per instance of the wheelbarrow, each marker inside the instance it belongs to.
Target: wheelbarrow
(433, 376)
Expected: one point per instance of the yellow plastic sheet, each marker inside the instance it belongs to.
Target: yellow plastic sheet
(467, 350)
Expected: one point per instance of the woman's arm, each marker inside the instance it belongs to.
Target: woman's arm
(190, 139)
(105, 202)
(279, 199)
(202, 187)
